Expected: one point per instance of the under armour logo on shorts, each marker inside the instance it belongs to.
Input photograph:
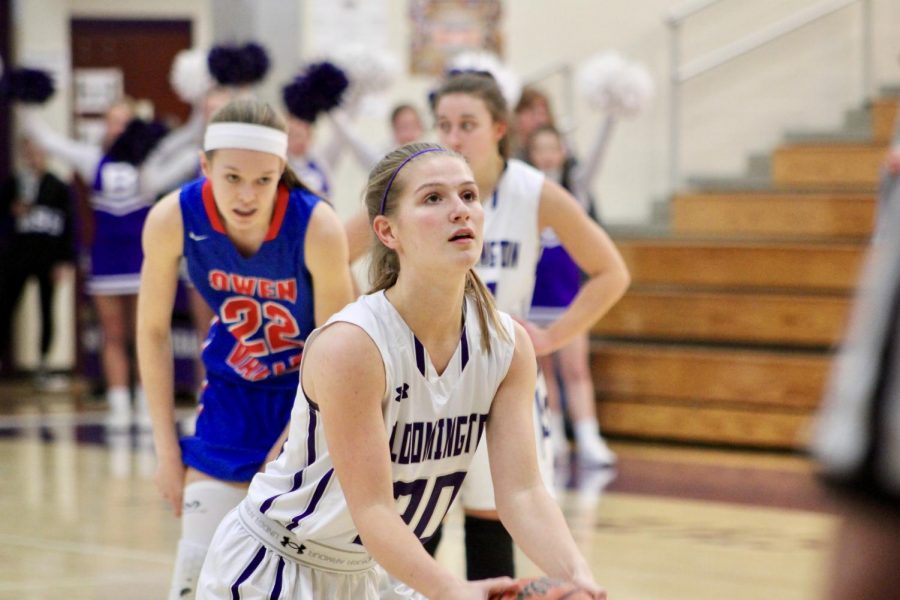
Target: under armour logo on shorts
(287, 543)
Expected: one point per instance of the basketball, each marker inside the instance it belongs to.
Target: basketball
(541, 588)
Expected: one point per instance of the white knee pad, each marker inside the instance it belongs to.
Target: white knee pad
(205, 504)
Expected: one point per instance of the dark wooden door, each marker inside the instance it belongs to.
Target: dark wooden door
(142, 49)
(6, 56)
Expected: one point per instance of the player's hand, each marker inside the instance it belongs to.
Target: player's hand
(473, 590)
(892, 163)
(170, 481)
(539, 338)
(589, 585)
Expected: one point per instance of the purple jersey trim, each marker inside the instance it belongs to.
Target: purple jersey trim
(235, 592)
(317, 495)
(279, 574)
(420, 355)
(464, 349)
(298, 476)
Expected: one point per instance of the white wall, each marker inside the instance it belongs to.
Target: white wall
(806, 79)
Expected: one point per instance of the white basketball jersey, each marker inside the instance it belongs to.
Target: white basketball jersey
(434, 424)
(512, 242)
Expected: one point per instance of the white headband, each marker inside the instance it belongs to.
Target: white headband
(247, 137)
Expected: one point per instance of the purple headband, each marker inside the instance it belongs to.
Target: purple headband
(394, 176)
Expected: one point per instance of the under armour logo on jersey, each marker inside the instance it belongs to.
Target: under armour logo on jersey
(195, 237)
(401, 392)
(287, 543)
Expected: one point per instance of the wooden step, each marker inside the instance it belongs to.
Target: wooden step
(725, 426)
(713, 377)
(884, 115)
(782, 215)
(819, 165)
(742, 264)
(743, 318)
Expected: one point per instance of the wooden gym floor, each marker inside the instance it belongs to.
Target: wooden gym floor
(80, 517)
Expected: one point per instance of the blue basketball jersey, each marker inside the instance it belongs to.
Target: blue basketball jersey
(263, 303)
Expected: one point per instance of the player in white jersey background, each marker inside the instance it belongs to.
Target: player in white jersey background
(395, 393)
(519, 202)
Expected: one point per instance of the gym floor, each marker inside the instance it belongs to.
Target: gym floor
(80, 517)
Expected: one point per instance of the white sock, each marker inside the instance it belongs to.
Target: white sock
(586, 431)
(205, 504)
(119, 401)
(140, 406)
(591, 447)
(558, 432)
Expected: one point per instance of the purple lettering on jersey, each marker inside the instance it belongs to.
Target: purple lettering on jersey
(420, 441)
(391, 443)
(502, 253)
(430, 430)
(404, 446)
(454, 482)
(415, 490)
(449, 437)
(418, 437)
(460, 435)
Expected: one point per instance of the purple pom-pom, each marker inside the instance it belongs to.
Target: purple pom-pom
(31, 86)
(238, 65)
(137, 141)
(318, 89)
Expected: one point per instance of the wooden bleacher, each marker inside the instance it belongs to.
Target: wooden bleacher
(727, 333)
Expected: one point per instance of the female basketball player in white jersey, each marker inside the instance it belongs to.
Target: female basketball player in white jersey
(519, 202)
(395, 392)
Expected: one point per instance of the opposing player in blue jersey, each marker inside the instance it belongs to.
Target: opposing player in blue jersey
(396, 391)
(271, 259)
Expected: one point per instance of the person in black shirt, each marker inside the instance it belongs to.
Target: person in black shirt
(36, 207)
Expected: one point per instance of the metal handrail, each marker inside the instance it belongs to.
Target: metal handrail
(753, 41)
(680, 74)
(688, 9)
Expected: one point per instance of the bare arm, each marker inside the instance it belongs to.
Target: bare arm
(366, 155)
(526, 508)
(328, 263)
(595, 254)
(349, 390)
(359, 234)
(83, 157)
(326, 259)
(175, 159)
(163, 246)
(585, 172)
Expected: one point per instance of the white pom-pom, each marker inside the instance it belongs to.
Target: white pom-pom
(636, 90)
(509, 83)
(190, 76)
(369, 72)
(613, 85)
